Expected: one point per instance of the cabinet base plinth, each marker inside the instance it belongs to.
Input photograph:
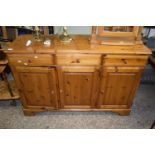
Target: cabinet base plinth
(124, 112)
(33, 111)
(29, 113)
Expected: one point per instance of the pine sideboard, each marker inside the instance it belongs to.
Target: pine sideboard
(76, 76)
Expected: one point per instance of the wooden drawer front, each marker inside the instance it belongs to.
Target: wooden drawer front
(117, 60)
(31, 59)
(78, 59)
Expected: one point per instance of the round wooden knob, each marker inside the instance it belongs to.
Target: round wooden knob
(125, 62)
(102, 92)
(77, 61)
(29, 61)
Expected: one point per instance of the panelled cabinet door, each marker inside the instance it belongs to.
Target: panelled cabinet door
(118, 87)
(78, 87)
(38, 86)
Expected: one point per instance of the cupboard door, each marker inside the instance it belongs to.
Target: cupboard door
(38, 86)
(78, 87)
(118, 86)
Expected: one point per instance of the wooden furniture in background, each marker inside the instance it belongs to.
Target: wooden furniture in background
(116, 35)
(9, 32)
(77, 76)
(12, 32)
(4, 32)
(46, 30)
(8, 90)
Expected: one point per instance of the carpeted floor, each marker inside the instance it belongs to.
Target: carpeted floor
(142, 116)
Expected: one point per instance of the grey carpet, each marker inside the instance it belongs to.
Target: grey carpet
(142, 116)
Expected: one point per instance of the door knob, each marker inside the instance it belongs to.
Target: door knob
(52, 92)
(125, 62)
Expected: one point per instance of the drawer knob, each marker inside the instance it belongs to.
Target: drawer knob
(35, 56)
(19, 61)
(29, 61)
(25, 64)
(102, 92)
(52, 92)
(77, 61)
(125, 62)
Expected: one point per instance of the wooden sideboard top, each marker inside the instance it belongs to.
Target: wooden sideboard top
(79, 44)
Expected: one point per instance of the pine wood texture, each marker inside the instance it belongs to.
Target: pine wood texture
(2, 68)
(117, 86)
(46, 30)
(4, 32)
(31, 59)
(4, 92)
(125, 60)
(77, 87)
(116, 35)
(78, 59)
(3, 62)
(80, 44)
(41, 87)
(77, 76)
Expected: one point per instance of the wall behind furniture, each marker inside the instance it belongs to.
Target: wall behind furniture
(74, 29)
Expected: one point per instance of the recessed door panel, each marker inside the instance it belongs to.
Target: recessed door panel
(38, 86)
(78, 89)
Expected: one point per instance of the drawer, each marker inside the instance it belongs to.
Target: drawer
(31, 59)
(121, 60)
(78, 59)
